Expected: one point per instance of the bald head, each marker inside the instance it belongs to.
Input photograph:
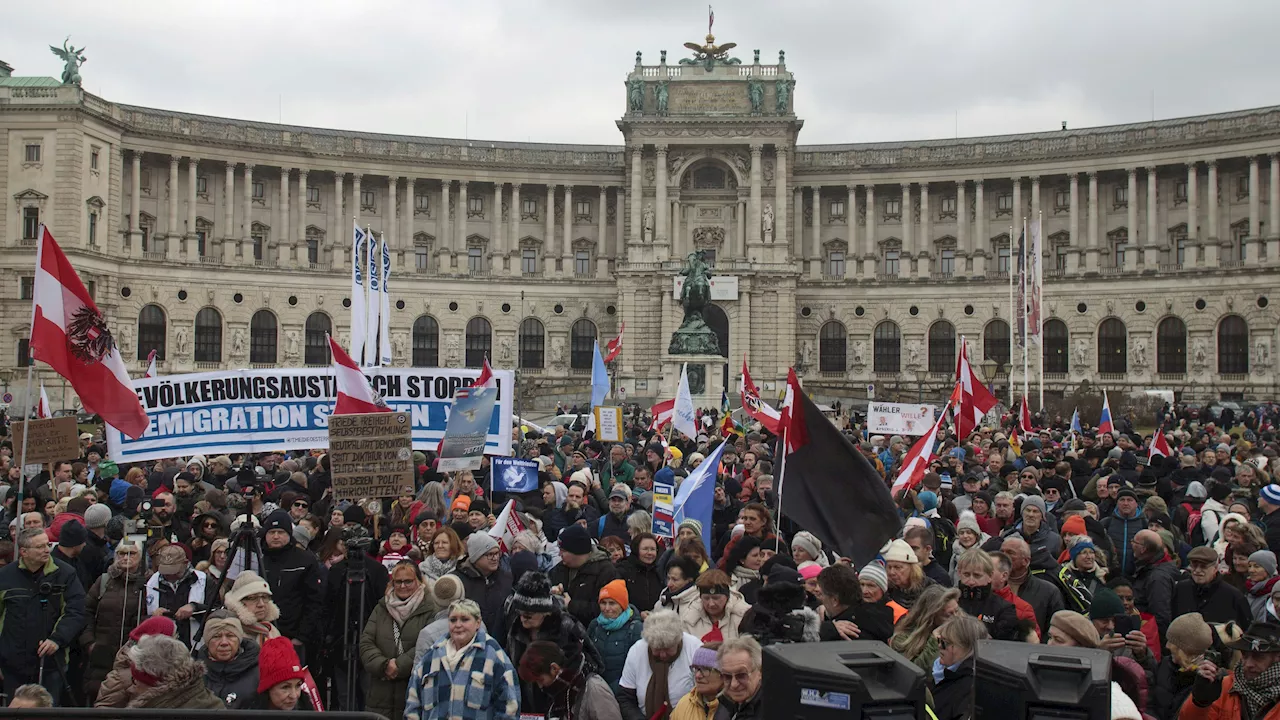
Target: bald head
(1149, 542)
(1015, 548)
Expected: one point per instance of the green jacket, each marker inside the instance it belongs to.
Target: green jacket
(378, 646)
(625, 474)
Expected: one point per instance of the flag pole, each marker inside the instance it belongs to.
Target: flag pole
(1013, 317)
(782, 468)
(1025, 333)
(1040, 308)
(22, 462)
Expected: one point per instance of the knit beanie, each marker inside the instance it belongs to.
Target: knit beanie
(969, 521)
(616, 591)
(1271, 493)
(1074, 525)
(1080, 546)
(873, 572)
(694, 525)
(278, 520)
(278, 662)
(462, 502)
(72, 534)
(1033, 501)
(221, 619)
(247, 583)
(704, 657)
(97, 516)
(532, 594)
(1190, 633)
(478, 544)
(575, 540)
(156, 625)
(807, 542)
(1106, 604)
(1076, 626)
(1266, 559)
(809, 570)
(447, 590)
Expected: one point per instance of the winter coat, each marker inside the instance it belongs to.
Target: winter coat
(583, 584)
(382, 641)
(874, 621)
(1078, 587)
(487, 690)
(998, 614)
(680, 600)
(697, 623)
(297, 587)
(781, 617)
(337, 591)
(117, 688)
(111, 614)
(1170, 690)
(953, 696)
(1153, 590)
(644, 583)
(1043, 597)
(610, 525)
(1121, 531)
(181, 688)
(693, 707)
(1227, 707)
(236, 680)
(1259, 596)
(1044, 543)
(752, 709)
(490, 593)
(1218, 602)
(26, 621)
(613, 646)
(565, 631)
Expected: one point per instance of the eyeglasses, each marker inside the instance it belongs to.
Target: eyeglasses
(405, 583)
(703, 671)
(736, 678)
(492, 554)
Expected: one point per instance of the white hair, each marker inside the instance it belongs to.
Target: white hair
(663, 629)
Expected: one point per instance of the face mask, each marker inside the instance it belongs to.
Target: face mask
(982, 592)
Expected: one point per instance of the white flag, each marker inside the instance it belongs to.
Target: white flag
(684, 417)
(44, 410)
(375, 304)
(384, 295)
(359, 312)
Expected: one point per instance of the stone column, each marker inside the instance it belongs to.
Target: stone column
(1018, 216)
(497, 249)
(172, 236)
(740, 229)
(357, 197)
(1151, 248)
(981, 243)
(281, 238)
(300, 242)
(753, 209)
(662, 205)
(1035, 199)
(1192, 254)
(460, 227)
(566, 240)
(673, 219)
(1136, 239)
(193, 246)
(246, 225)
(340, 242)
(924, 244)
(602, 230)
(619, 241)
(1255, 215)
(549, 234)
(391, 232)
(444, 258)
(1073, 227)
(851, 224)
(963, 251)
(1211, 246)
(637, 197)
(797, 223)
(780, 195)
(1273, 218)
(135, 202)
(513, 230)
(815, 244)
(871, 256)
(229, 241)
(1091, 253)
(908, 239)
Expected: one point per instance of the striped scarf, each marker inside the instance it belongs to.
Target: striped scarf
(1259, 694)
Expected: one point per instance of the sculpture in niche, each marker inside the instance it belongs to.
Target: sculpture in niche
(635, 94)
(1140, 353)
(180, 342)
(675, 161)
(648, 172)
(399, 346)
(768, 172)
(914, 351)
(344, 340)
(694, 336)
(1199, 354)
(1262, 352)
(755, 93)
(557, 351)
(661, 93)
(237, 343)
(291, 342)
(859, 352)
(806, 352)
(505, 350)
(1082, 353)
(766, 222)
(647, 223)
(454, 354)
(782, 97)
(126, 339)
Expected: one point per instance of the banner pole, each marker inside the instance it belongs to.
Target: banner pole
(22, 462)
(782, 469)
(1040, 308)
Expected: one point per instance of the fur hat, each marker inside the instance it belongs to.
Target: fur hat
(219, 619)
(278, 662)
(250, 583)
(1076, 626)
(533, 594)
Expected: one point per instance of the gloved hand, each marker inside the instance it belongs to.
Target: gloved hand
(1207, 687)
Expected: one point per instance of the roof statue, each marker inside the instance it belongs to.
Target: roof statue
(710, 54)
(72, 58)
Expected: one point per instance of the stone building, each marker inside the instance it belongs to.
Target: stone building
(225, 243)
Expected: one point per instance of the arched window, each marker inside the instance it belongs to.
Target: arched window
(479, 341)
(1055, 346)
(582, 341)
(718, 321)
(995, 342)
(151, 332)
(426, 342)
(1171, 346)
(832, 340)
(942, 347)
(887, 343)
(1113, 347)
(317, 350)
(533, 343)
(209, 335)
(1233, 345)
(262, 337)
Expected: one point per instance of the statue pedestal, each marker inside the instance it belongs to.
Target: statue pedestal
(706, 377)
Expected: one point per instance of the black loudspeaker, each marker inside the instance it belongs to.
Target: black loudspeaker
(1021, 681)
(858, 679)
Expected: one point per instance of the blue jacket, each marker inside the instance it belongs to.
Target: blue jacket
(613, 646)
(483, 687)
(1121, 531)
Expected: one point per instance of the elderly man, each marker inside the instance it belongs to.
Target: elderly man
(1043, 597)
(583, 571)
(1038, 531)
(1249, 690)
(1154, 578)
(666, 651)
(1207, 594)
(740, 662)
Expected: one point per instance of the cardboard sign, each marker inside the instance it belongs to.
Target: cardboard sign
(371, 455)
(888, 418)
(608, 424)
(51, 440)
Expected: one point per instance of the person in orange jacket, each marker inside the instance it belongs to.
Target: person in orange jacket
(1251, 690)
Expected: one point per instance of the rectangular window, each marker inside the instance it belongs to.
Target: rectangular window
(144, 182)
(835, 264)
(949, 206)
(837, 209)
(530, 206)
(202, 184)
(709, 254)
(366, 199)
(475, 206)
(1002, 260)
(1180, 191)
(1121, 250)
(202, 238)
(529, 261)
(1004, 202)
(257, 248)
(891, 263)
(1062, 200)
(583, 209)
(145, 230)
(33, 153)
(422, 203)
(1242, 186)
(24, 352)
(582, 263)
(421, 258)
(30, 223)
(313, 251)
(27, 287)
(313, 194)
(947, 263)
(92, 288)
(1182, 250)
(1060, 257)
(93, 228)
(893, 208)
(1122, 196)
(259, 190)
(475, 260)
(93, 159)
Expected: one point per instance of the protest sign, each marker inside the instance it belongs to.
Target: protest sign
(888, 418)
(464, 435)
(251, 411)
(664, 512)
(608, 424)
(513, 475)
(49, 440)
(371, 455)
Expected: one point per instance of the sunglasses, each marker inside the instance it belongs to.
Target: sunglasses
(301, 504)
(735, 678)
(703, 671)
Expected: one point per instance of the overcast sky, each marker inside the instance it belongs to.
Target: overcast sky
(553, 70)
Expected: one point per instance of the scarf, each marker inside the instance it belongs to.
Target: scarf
(452, 654)
(1257, 694)
(435, 568)
(655, 696)
(615, 624)
(743, 575)
(1261, 589)
(400, 610)
(564, 692)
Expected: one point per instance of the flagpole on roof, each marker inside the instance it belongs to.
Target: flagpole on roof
(1040, 307)
(1026, 331)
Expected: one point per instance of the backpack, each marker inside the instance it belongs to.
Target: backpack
(1195, 533)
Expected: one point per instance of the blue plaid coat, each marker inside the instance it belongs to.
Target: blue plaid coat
(483, 687)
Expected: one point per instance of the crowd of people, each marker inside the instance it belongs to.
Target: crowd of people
(241, 582)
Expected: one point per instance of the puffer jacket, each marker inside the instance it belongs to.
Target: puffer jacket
(583, 585)
(25, 621)
(117, 688)
(182, 688)
(298, 588)
(613, 645)
(565, 631)
(234, 681)
(644, 583)
(697, 623)
(111, 613)
(1121, 531)
(384, 640)
(679, 601)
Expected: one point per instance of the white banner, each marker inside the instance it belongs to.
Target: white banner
(723, 287)
(252, 411)
(886, 418)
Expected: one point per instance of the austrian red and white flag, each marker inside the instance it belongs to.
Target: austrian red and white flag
(916, 462)
(1024, 418)
(791, 422)
(507, 526)
(44, 410)
(975, 399)
(662, 413)
(1159, 445)
(355, 395)
(486, 378)
(754, 406)
(614, 347)
(69, 333)
(151, 364)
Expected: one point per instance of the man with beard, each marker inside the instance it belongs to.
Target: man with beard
(620, 469)
(165, 522)
(296, 584)
(1250, 690)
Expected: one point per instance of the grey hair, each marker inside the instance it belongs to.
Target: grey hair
(1014, 541)
(35, 694)
(663, 629)
(159, 655)
(964, 630)
(26, 536)
(742, 643)
(640, 522)
(466, 606)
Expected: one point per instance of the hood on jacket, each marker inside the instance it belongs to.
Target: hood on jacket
(244, 661)
(247, 618)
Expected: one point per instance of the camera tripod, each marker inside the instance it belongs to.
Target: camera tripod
(246, 541)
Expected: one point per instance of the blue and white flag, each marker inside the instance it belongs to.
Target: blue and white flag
(384, 296)
(599, 377)
(1075, 422)
(359, 311)
(684, 418)
(697, 495)
(514, 475)
(374, 304)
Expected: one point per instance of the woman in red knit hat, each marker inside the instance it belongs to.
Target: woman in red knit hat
(280, 676)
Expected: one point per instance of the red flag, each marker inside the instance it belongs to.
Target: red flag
(975, 399)
(614, 346)
(916, 462)
(1159, 445)
(151, 364)
(486, 378)
(662, 413)
(355, 395)
(792, 422)
(312, 690)
(754, 406)
(1024, 418)
(69, 333)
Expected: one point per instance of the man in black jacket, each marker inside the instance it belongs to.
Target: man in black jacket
(1269, 504)
(296, 584)
(41, 614)
(485, 581)
(1154, 578)
(848, 618)
(1206, 594)
(582, 572)
(338, 591)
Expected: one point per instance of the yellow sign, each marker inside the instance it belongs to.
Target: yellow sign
(371, 455)
(608, 424)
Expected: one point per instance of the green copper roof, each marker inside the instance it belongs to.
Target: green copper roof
(29, 82)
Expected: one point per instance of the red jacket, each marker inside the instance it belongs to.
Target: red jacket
(1020, 606)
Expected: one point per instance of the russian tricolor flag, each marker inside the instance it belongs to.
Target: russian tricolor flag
(1104, 423)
